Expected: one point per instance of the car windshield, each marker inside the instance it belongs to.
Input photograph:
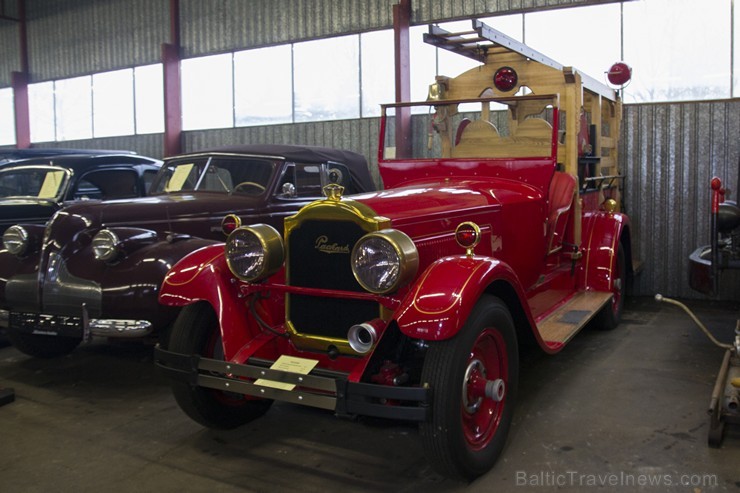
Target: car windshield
(484, 128)
(227, 174)
(38, 182)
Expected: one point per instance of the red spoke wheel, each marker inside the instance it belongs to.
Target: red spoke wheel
(473, 377)
(196, 331)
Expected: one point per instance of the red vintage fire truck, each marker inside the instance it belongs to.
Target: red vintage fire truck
(499, 225)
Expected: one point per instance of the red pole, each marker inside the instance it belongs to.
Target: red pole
(172, 93)
(401, 25)
(19, 84)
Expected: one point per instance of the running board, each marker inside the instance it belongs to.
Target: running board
(561, 325)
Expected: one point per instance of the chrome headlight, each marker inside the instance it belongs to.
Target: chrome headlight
(106, 245)
(254, 252)
(15, 240)
(384, 260)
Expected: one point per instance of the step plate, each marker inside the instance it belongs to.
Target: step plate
(565, 322)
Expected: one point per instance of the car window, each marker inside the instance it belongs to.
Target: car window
(177, 176)
(245, 176)
(308, 180)
(227, 174)
(149, 176)
(107, 185)
(45, 182)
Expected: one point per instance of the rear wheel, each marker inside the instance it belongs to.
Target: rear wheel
(42, 346)
(473, 377)
(609, 316)
(196, 331)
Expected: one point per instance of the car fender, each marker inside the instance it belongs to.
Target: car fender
(440, 302)
(194, 277)
(25, 266)
(603, 233)
(204, 276)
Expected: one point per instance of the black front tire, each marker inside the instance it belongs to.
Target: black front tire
(196, 331)
(467, 431)
(42, 346)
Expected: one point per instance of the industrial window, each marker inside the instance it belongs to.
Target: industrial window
(121, 102)
(7, 123)
(113, 103)
(207, 92)
(327, 81)
(149, 99)
(73, 108)
(678, 49)
(41, 111)
(576, 42)
(377, 71)
(263, 86)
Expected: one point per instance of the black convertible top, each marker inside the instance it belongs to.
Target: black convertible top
(356, 163)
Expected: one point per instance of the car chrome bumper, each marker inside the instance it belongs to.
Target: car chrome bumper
(320, 388)
(118, 327)
(73, 326)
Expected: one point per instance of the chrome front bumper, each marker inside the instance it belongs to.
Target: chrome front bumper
(73, 326)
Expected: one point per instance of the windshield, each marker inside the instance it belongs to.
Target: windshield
(510, 128)
(227, 174)
(38, 182)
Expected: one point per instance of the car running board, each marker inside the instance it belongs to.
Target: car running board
(561, 325)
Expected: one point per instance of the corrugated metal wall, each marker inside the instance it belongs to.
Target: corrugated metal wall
(359, 135)
(669, 154)
(426, 11)
(68, 38)
(76, 37)
(10, 59)
(669, 151)
(147, 145)
(227, 25)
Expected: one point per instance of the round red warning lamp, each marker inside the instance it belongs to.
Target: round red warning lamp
(230, 223)
(505, 79)
(619, 74)
(467, 235)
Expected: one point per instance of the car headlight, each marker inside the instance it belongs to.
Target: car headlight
(15, 240)
(254, 252)
(105, 245)
(384, 261)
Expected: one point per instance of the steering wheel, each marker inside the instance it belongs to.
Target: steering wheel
(243, 184)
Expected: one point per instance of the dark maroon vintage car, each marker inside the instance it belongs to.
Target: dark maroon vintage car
(96, 268)
(32, 190)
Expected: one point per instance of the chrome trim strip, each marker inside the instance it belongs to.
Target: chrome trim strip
(118, 327)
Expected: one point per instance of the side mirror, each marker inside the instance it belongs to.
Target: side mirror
(288, 190)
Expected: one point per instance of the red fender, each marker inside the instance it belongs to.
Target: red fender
(440, 303)
(203, 275)
(603, 231)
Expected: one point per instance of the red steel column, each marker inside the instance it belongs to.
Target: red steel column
(19, 84)
(172, 92)
(401, 24)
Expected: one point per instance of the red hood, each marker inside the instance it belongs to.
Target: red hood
(426, 201)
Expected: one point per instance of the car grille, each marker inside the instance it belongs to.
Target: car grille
(319, 257)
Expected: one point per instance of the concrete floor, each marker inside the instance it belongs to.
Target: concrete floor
(611, 412)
